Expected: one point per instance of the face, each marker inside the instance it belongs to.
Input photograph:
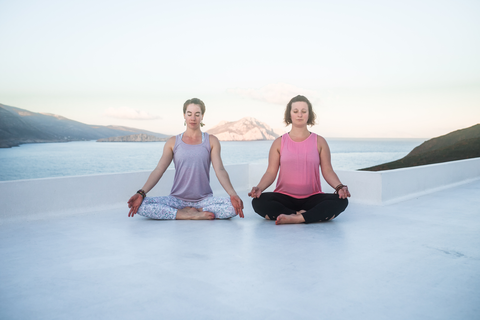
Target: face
(193, 115)
(299, 113)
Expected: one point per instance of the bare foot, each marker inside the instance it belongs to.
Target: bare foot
(266, 217)
(289, 219)
(190, 213)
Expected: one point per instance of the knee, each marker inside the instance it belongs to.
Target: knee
(342, 207)
(230, 213)
(256, 205)
(227, 213)
(255, 202)
(142, 207)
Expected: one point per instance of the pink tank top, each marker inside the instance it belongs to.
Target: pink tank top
(299, 175)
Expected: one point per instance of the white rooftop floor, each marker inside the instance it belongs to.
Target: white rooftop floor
(416, 259)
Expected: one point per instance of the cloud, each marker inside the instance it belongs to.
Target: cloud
(277, 93)
(129, 113)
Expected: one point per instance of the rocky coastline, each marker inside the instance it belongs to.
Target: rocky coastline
(133, 138)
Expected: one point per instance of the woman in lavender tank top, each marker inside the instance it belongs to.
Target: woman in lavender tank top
(191, 197)
(298, 197)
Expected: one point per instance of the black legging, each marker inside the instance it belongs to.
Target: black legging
(319, 207)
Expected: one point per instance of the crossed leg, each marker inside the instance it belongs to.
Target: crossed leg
(169, 208)
(287, 210)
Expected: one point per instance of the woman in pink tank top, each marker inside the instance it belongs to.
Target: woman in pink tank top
(299, 155)
(191, 197)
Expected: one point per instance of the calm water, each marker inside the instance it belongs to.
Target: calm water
(44, 160)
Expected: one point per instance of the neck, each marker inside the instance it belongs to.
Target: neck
(299, 131)
(192, 132)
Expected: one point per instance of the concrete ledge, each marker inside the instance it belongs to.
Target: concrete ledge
(27, 199)
(386, 187)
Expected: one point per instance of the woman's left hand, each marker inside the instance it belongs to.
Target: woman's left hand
(134, 203)
(343, 193)
(237, 205)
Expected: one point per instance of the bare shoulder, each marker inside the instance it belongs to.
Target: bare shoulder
(214, 142)
(213, 139)
(321, 143)
(169, 145)
(171, 141)
(277, 143)
(321, 140)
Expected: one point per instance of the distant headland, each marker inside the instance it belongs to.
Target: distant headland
(456, 145)
(245, 129)
(19, 126)
(140, 137)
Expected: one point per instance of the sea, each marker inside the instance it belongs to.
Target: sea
(47, 160)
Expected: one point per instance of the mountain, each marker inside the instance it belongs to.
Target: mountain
(245, 129)
(456, 145)
(141, 137)
(18, 126)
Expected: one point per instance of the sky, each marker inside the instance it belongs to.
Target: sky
(372, 69)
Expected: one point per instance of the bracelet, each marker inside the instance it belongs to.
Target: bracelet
(340, 186)
(142, 193)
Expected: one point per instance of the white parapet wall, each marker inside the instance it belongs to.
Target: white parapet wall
(390, 186)
(37, 198)
(401, 184)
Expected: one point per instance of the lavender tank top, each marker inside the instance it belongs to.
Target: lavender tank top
(192, 170)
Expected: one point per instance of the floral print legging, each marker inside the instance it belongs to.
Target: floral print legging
(166, 207)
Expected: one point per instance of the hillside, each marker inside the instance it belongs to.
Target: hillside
(245, 129)
(456, 145)
(447, 140)
(18, 126)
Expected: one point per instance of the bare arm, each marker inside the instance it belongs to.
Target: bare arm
(162, 165)
(222, 175)
(167, 156)
(272, 169)
(327, 169)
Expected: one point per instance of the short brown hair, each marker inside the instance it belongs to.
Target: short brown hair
(194, 101)
(311, 115)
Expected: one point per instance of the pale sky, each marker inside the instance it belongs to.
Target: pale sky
(371, 68)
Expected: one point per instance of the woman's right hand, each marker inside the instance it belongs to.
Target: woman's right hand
(255, 193)
(134, 203)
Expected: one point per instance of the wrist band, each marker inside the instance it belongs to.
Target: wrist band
(340, 186)
(142, 193)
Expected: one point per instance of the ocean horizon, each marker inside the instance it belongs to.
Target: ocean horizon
(48, 160)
